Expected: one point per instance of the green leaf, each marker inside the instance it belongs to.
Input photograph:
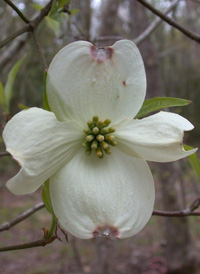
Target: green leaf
(57, 17)
(157, 103)
(74, 11)
(194, 161)
(37, 7)
(45, 100)
(54, 8)
(46, 198)
(21, 106)
(64, 15)
(2, 96)
(54, 14)
(53, 226)
(53, 25)
(10, 82)
(47, 202)
(62, 3)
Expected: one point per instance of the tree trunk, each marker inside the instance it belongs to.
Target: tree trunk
(176, 229)
(105, 255)
(81, 22)
(109, 10)
(178, 250)
(138, 23)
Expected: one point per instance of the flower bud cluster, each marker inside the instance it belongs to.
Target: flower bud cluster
(99, 137)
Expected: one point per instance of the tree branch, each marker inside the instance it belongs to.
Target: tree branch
(171, 22)
(147, 32)
(4, 153)
(43, 61)
(21, 217)
(21, 15)
(180, 213)
(107, 38)
(14, 35)
(31, 26)
(13, 49)
(41, 242)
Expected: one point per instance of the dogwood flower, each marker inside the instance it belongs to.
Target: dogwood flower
(90, 146)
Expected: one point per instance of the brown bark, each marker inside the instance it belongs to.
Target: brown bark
(105, 255)
(109, 10)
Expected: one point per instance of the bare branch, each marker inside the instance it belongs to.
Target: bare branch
(14, 35)
(180, 213)
(107, 38)
(13, 49)
(171, 22)
(4, 153)
(41, 242)
(32, 25)
(63, 231)
(147, 32)
(21, 217)
(81, 31)
(21, 15)
(195, 204)
(195, 1)
(43, 61)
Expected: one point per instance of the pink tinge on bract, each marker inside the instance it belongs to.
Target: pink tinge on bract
(106, 231)
(101, 54)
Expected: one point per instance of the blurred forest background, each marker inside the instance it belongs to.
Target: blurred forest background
(172, 61)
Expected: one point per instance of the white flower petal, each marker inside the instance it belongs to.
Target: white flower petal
(110, 196)
(41, 145)
(155, 138)
(83, 82)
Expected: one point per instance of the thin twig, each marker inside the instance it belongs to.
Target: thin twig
(65, 9)
(43, 61)
(21, 15)
(195, 204)
(14, 35)
(147, 32)
(4, 153)
(81, 31)
(171, 22)
(107, 38)
(32, 25)
(63, 231)
(38, 243)
(21, 217)
(181, 213)
(195, 1)
(13, 50)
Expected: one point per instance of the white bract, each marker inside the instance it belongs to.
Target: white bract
(90, 146)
